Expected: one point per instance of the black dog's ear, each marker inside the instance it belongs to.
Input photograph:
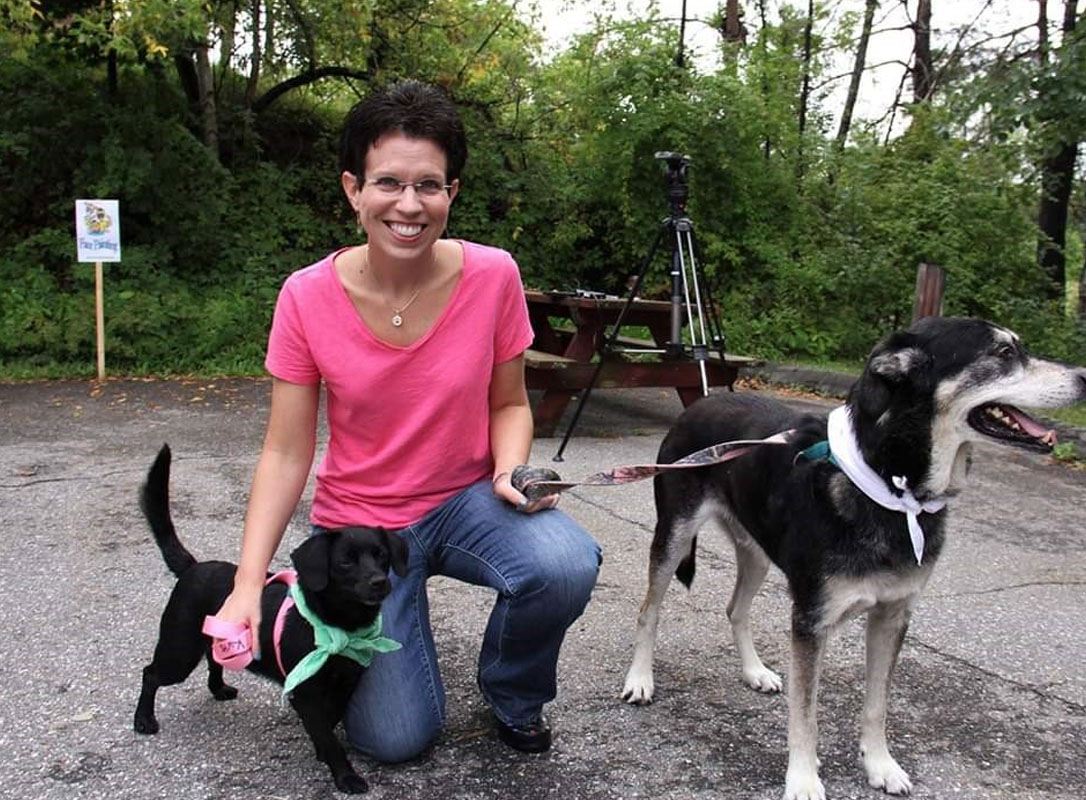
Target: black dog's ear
(311, 561)
(397, 552)
(895, 361)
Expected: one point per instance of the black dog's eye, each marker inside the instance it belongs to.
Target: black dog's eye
(1006, 351)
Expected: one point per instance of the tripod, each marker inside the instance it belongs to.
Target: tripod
(690, 293)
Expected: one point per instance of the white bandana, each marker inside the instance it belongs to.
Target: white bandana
(851, 461)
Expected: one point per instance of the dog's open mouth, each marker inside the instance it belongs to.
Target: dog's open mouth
(1012, 425)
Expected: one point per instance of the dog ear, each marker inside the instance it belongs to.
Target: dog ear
(895, 361)
(310, 560)
(397, 552)
(898, 365)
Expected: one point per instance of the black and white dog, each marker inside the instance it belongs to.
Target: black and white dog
(903, 438)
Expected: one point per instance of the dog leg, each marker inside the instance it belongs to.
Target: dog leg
(145, 721)
(669, 545)
(886, 626)
(215, 684)
(751, 565)
(174, 661)
(802, 781)
(319, 721)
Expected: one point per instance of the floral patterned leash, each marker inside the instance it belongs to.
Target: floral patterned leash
(536, 482)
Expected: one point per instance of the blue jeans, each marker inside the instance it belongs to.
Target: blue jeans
(543, 567)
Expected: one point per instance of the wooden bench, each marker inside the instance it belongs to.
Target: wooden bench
(729, 358)
(560, 377)
(537, 359)
(564, 361)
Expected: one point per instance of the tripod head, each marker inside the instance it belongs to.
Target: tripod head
(677, 188)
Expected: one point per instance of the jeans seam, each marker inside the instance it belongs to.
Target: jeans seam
(432, 669)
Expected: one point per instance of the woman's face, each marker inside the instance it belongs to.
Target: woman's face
(401, 223)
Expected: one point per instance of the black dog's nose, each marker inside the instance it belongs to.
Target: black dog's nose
(379, 583)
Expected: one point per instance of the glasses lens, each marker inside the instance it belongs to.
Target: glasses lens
(389, 185)
(429, 188)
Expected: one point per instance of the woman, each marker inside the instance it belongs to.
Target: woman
(419, 343)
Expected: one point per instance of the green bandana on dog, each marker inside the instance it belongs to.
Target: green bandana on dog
(360, 645)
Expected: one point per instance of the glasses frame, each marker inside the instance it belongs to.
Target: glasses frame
(387, 188)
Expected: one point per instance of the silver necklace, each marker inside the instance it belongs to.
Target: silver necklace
(397, 313)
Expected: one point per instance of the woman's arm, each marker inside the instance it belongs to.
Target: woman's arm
(511, 432)
(280, 478)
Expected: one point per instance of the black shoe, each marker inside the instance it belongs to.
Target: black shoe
(532, 738)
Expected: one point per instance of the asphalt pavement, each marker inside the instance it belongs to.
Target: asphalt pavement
(989, 699)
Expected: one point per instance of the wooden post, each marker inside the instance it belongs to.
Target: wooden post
(99, 319)
(930, 279)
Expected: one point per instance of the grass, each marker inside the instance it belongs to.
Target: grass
(227, 366)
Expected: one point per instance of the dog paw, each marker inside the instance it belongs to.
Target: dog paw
(224, 692)
(763, 680)
(639, 688)
(805, 786)
(352, 783)
(883, 772)
(145, 724)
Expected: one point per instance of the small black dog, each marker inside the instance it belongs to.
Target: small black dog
(343, 576)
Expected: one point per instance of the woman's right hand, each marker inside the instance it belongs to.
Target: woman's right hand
(243, 607)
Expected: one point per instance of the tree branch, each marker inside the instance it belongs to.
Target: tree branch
(304, 79)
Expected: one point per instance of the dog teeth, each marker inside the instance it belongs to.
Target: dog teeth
(1004, 419)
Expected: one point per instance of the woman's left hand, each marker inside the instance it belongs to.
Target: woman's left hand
(503, 488)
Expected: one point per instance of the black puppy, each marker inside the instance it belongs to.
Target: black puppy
(343, 576)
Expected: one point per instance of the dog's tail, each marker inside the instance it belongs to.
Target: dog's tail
(155, 504)
(685, 571)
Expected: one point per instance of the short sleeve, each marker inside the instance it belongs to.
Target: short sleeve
(289, 356)
(513, 333)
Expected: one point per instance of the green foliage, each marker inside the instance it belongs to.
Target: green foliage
(812, 253)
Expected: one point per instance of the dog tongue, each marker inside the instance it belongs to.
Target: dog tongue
(1030, 425)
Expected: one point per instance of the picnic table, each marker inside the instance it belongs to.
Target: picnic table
(570, 330)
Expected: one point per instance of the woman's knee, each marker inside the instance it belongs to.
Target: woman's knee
(401, 740)
(566, 573)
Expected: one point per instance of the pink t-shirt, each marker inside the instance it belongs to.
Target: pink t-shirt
(408, 426)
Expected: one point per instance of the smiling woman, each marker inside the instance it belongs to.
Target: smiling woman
(418, 342)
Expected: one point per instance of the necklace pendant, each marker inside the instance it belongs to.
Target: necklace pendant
(397, 320)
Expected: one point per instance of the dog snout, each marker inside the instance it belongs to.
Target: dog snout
(379, 585)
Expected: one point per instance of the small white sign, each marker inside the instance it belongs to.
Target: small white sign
(98, 230)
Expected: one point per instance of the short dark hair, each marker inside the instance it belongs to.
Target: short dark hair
(413, 108)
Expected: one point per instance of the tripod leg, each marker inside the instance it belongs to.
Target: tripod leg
(610, 340)
(695, 312)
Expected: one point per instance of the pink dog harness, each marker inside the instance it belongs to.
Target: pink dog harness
(232, 642)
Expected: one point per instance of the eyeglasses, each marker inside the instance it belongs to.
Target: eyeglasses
(426, 188)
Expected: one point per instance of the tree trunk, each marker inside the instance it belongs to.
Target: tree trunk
(228, 24)
(269, 34)
(1082, 288)
(857, 73)
(805, 92)
(767, 145)
(1057, 177)
(186, 75)
(206, 84)
(1042, 32)
(254, 64)
(734, 30)
(922, 66)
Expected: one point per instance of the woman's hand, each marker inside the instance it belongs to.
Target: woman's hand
(503, 488)
(243, 607)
